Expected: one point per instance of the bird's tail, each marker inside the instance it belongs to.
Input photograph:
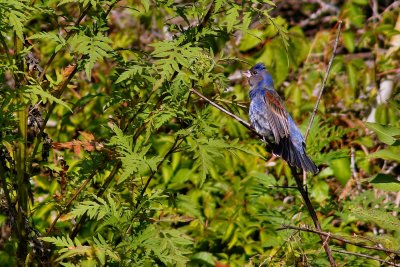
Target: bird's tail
(295, 156)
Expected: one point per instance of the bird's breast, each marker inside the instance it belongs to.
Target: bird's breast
(259, 117)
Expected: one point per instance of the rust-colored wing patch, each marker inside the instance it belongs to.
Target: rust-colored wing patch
(277, 115)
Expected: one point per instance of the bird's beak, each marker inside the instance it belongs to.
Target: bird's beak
(246, 73)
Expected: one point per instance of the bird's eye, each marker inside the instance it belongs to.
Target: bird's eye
(255, 72)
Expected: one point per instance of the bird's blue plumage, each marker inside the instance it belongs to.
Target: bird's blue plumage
(269, 117)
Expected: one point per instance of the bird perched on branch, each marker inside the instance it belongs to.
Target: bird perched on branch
(269, 117)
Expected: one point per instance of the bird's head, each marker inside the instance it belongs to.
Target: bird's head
(258, 75)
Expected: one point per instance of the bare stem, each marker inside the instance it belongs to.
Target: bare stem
(300, 184)
(106, 183)
(243, 122)
(69, 34)
(324, 81)
(313, 215)
(339, 238)
(83, 186)
(365, 256)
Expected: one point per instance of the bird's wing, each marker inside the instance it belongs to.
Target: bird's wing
(277, 115)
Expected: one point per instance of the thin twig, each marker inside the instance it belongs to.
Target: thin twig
(313, 214)
(178, 141)
(243, 122)
(84, 184)
(206, 17)
(69, 34)
(300, 184)
(50, 111)
(106, 183)
(7, 195)
(341, 239)
(365, 256)
(325, 79)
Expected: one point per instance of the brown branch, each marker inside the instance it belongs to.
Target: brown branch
(153, 173)
(325, 79)
(84, 184)
(206, 17)
(39, 136)
(237, 118)
(365, 256)
(106, 183)
(341, 239)
(300, 184)
(69, 34)
(313, 214)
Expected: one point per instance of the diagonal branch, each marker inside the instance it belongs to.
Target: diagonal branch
(69, 34)
(313, 214)
(300, 184)
(339, 238)
(80, 189)
(366, 256)
(237, 118)
(324, 81)
(103, 188)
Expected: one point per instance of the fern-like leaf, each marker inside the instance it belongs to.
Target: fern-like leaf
(36, 91)
(94, 48)
(133, 157)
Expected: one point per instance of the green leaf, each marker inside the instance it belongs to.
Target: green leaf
(341, 169)
(130, 73)
(17, 25)
(51, 36)
(133, 156)
(204, 258)
(352, 75)
(45, 96)
(386, 133)
(349, 41)
(380, 217)
(231, 16)
(169, 246)
(320, 191)
(93, 48)
(84, 3)
(146, 5)
(250, 39)
(385, 182)
(386, 154)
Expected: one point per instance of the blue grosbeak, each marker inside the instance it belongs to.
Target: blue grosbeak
(269, 117)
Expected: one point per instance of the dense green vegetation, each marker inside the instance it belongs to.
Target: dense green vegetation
(108, 158)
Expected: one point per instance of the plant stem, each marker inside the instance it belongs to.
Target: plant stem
(366, 256)
(106, 183)
(313, 214)
(237, 118)
(84, 184)
(341, 239)
(50, 111)
(301, 182)
(324, 81)
(22, 185)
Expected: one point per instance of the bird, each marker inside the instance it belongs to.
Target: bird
(270, 119)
